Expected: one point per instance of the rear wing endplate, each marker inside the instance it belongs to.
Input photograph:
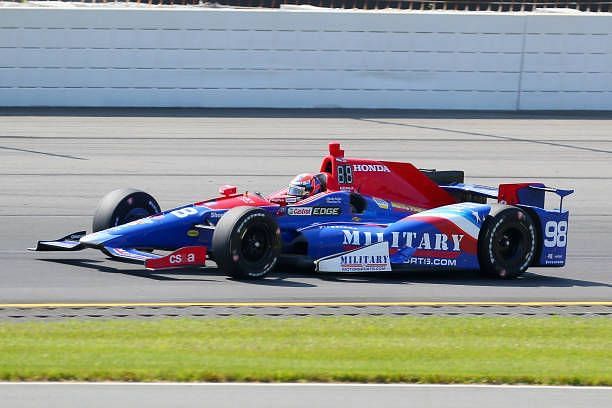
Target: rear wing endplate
(562, 193)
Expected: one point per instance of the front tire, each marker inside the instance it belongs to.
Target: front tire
(122, 206)
(507, 242)
(246, 243)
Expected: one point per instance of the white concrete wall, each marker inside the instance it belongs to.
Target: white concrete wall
(274, 58)
(567, 62)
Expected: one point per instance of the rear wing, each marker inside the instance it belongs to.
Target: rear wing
(530, 194)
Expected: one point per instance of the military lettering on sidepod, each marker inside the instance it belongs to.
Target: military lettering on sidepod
(427, 241)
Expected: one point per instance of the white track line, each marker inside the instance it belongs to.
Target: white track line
(309, 384)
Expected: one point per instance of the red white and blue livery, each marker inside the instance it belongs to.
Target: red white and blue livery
(354, 215)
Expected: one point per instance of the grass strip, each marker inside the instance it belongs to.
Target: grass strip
(557, 350)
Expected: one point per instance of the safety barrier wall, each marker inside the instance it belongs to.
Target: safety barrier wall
(304, 59)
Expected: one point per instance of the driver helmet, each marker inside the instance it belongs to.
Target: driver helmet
(302, 186)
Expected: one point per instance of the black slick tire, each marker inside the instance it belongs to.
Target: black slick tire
(246, 243)
(507, 242)
(122, 206)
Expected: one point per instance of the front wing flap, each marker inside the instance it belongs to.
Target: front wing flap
(68, 243)
(183, 257)
(129, 254)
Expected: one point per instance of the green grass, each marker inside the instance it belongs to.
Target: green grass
(374, 349)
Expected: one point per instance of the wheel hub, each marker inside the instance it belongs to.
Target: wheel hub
(254, 244)
(510, 244)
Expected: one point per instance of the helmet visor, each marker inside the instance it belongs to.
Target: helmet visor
(298, 191)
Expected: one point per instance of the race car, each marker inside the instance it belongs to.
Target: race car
(354, 215)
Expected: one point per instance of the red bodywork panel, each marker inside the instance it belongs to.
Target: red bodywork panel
(237, 200)
(187, 256)
(401, 183)
(519, 193)
(397, 182)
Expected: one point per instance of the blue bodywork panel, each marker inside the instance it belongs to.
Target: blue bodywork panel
(445, 237)
(553, 227)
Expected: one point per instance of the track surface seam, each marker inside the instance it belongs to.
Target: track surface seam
(302, 304)
(423, 309)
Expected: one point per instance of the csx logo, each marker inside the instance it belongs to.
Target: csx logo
(179, 258)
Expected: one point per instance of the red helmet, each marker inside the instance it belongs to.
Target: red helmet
(302, 186)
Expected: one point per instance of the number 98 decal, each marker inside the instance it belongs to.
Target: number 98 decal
(345, 174)
(555, 234)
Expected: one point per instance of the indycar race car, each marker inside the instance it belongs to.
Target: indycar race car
(355, 215)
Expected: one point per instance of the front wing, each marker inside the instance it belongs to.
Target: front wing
(191, 256)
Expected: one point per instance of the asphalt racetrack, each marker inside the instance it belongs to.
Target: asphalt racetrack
(56, 164)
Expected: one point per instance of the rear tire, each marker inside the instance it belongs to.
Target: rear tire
(122, 206)
(246, 243)
(507, 242)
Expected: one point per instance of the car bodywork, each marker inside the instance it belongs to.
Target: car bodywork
(373, 216)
